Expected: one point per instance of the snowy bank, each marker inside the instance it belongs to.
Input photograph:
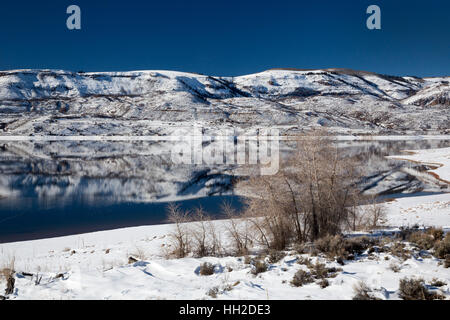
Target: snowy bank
(438, 159)
(96, 265)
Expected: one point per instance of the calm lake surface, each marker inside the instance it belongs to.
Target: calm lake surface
(33, 218)
(56, 189)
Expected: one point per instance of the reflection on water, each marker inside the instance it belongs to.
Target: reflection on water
(69, 187)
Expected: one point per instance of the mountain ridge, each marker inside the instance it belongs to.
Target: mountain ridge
(291, 98)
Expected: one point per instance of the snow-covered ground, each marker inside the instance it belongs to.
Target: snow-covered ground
(159, 278)
(426, 210)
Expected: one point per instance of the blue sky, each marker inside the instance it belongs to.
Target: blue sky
(227, 37)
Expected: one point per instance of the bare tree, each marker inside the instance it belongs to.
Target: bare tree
(375, 213)
(311, 196)
(180, 236)
(205, 239)
(237, 227)
(193, 232)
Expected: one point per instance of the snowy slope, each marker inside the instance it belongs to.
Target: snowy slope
(65, 103)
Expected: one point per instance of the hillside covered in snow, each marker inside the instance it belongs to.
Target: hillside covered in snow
(46, 102)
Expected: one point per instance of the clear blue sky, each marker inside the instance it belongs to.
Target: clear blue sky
(227, 37)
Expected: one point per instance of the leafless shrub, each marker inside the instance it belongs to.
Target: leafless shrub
(248, 260)
(301, 278)
(363, 292)
(272, 229)
(343, 248)
(213, 292)
(415, 289)
(331, 246)
(301, 248)
(275, 256)
(371, 215)
(305, 261)
(215, 247)
(193, 232)
(405, 232)
(324, 283)
(199, 233)
(358, 245)
(206, 269)
(332, 272)
(377, 214)
(180, 236)
(395, 267)
(259, 266)
(238, 228)
(422, 240)
(139, 253)
(7, 272)
(437, 233)
(319, 271)
(205, 239)
(442, 248)
(357, 219)
(398, 249)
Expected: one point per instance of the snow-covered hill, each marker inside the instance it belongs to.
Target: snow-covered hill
(35, 102)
